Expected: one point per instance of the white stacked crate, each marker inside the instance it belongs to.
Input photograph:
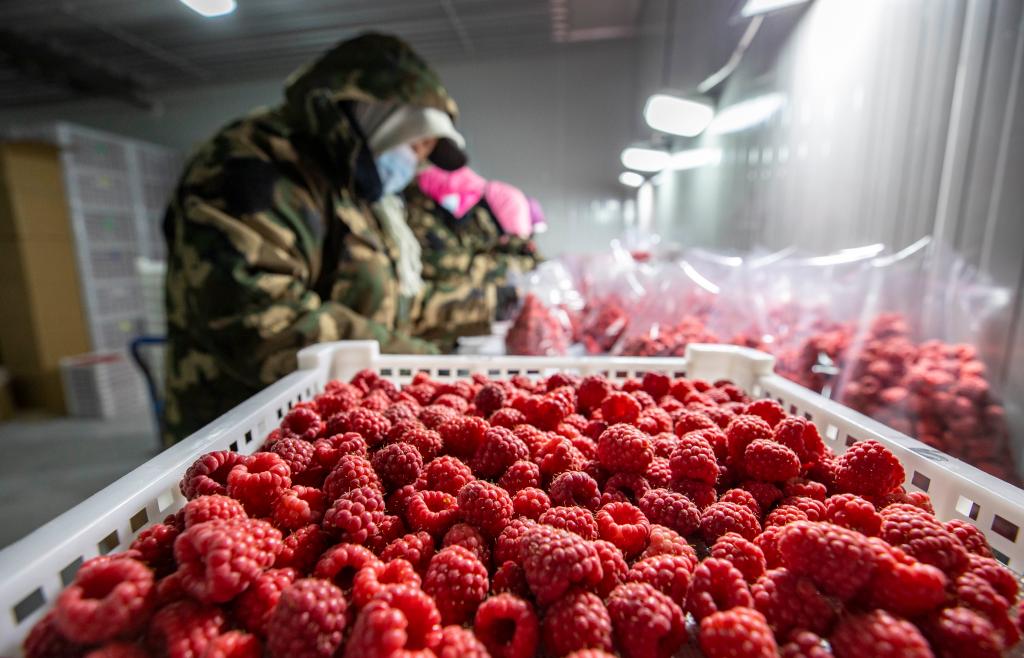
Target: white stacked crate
(102, 385)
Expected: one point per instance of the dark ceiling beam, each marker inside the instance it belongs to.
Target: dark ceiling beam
(44, 60)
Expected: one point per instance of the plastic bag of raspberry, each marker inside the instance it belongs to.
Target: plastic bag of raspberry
(543, 324)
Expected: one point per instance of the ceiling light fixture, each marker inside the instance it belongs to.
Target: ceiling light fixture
(211, 8)
(676, 115)
(631, 179)
(645, 159)
(755, 7)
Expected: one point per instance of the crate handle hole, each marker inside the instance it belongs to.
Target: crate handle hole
(67, 574)
(233, 447)
(29, 604)
(831, 432)
(248, 437)
(139, 519)
(108, 543)
(967, 507)
(921, 481)
(164, 501)
(850, 441)
(279, 413)
(1005, 528)
(792, 409)
(999, 555)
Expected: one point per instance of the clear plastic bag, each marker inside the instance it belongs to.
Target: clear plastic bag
(543, 325)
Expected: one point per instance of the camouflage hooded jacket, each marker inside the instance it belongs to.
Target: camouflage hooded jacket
(272, 244)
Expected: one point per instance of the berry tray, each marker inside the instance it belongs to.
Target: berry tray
(34, 570)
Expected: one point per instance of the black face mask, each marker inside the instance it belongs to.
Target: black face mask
(334, 124)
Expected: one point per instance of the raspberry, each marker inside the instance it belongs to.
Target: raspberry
(404, 411)
(557, 456)
(417, 549)
(665, 541)
(592, 391)
(630, 487)
(397, 464)
(741, 432)
(375, 577)
(554, 560)
(784, 515)
(903, 585)
(468, 537)
(233, 644)
(133, 650)
(664, 443)
(656, 384)
(45, 641)
(654, 421)
(690, 421)
(520, 475)
(155, 547)
(1002, 579)
(805, 488)
(802, 437)
(356, 515)
(974, 592)
(765, 493)
(646, 623)
(721, 518)
(110, 597)
(716, 585)
(534, 438)
(302, 423)
(351, 472)
(509, 577)
(768, 410)
(969, 535)
(613, 567)
(342, 562)
(218, 559)
(737, 633)
(328, 451)
(459, 642)
(184, 629)
(208, 475)
(853, 512)
(435, 415)
(837, 560)
(458, 582)
(485, 506)
(959, 632)
(743, 554)
(694, 459)
(298, 507)
(489, 398)
(670, 509)
(427, 442)
(669, 574)
(453, 401)
(252, 608)
(301, 549)
(548, 411)
(575, 488)
(879, 634)
(659, 473)
(462, 435)
(211, 508)
(530, 503)
(507, 626)
(701, 493)
(625, 526)
(499, 449)
(370, 425)
(623, 447)
(741, 497)
(805, 644)
(398, 502)
(619, 407)
(924, 538)
(867, 468)
(335, 402)
(586, 447)
(577, 620)
(768, 461)
(789, 601)
(296, 453)
(574, 519)
(814, 509)
(308, 620)
(447, 474)
(507, 544)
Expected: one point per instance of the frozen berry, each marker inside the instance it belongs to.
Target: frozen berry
(458, 582)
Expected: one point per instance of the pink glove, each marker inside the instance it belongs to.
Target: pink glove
(510, 208)
(458, 190)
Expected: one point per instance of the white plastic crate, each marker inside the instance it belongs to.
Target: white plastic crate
(102, 385)
(152, 274)
(35, 569)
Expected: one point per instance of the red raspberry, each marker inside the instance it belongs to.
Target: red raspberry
(355, 517)
(459, 642)
(592, 391)
(534, 438)
(961, 632)
(741, 497)
(586, 447)
(351, 472)
(701, 493)
(507, 417)
(669, 574)
(252, 608)
(389, 529)
(575, 488)
(654, 421)
(974, 592)
(665, 541)
(308, 620)
(789, 601)
(328, 451)
(574, 519)
(375, 577)
(485, 506)
(577, 620)
(298, 507)
(626, 487)
(370, 425)
(768, 410)
(417, 549)
(623, 447)
(716, 585)
(613, 567)
(743, 554)
(499, 449)
(208, 475)
(970, 536)
(646, 622)
(447, 474)
(302, 423)
(427, 442)
(155, 547)
(458, 582)
(45, 641)
(134, 650)
(659, 473)
(184, 629)
(557, 456)
(489, 398)
(301, 549)
(330, 404)
(509, 577)
(741, 432)
(694, 459)
(530, 503)
(656, 384)
(233, 644)
(507, 544)
(784, 515)
(619, 407)
(298, 454)
(691, 421)
(110, 597)
(853, 512)
(554, 560)
(765, 493)
(549, 410)
(462, 435)
(805, 644)
(837, 560)
(218, 559)
(520, 475)
(459, 404)
(403, 411)
(903, 585)
(670, 509)
(211, 508)
(435, 415)
(877, 633)
(814, 509)
(721, 518)
(768, 461)
(468, 537)
(625, 526)
(737, 633)
(802, 437)
(804, 488)
(868, 468)
(342, 562)
(507, 626)
(664, 443)
(1002, 579)
(922, 537)
(397, 464)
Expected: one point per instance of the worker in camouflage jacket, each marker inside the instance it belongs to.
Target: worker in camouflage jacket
(287, 229)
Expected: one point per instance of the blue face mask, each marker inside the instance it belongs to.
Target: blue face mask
(396, 168)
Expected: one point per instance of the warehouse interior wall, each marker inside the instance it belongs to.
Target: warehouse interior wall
(530, 121)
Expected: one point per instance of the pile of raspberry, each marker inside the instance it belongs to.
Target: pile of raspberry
(539, 330)
(602, 324)
(561, 517)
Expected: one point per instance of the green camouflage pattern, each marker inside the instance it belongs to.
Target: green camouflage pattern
(271, 248)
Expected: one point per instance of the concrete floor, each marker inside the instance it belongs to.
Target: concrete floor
(48, 465)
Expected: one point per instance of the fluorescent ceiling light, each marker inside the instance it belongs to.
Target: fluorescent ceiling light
(677, 116)
(210, 8)
(645, 159)
(746, 114)
(694, 158)
(755, 7)
(631, 179)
